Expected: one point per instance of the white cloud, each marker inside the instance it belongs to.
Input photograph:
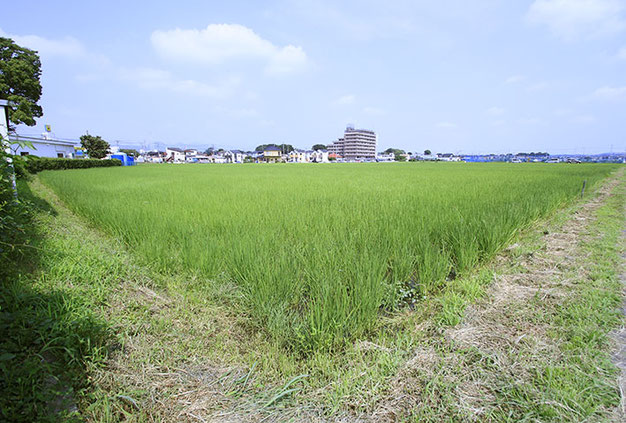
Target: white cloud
(161, 80)
(345, 100)
(570, 19)
(220, 43)
(495, 111)
(514, 79)
(66, 47)
(446, 125)
(286, 60)
(610, 93)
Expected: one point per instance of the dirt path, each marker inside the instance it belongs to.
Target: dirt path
(620, 339)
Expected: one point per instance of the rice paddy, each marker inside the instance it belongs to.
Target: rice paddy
(319, 252)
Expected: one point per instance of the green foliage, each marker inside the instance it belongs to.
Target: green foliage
(130, 151)
(318, 147)
(395, 151)
(285, 148)
(46, 336)
(95, 146)
(20, 70)
(34, 164)
(399, 158)
(14, 214)
(374, 234)
(427, 152)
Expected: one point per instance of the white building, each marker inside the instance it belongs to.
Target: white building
(44, 147)
(356, 144)
(234, 156)
(299, 156)
(190, 154)
(173, 154)
(385, 157)
(320, 156)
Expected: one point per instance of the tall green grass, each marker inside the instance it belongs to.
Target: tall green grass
(319, 250)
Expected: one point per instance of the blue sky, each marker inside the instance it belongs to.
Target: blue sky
(450, 76)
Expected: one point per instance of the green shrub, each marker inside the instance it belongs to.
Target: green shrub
(34, 164)
(14, 216)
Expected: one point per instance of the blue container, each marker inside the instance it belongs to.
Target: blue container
(124, 158)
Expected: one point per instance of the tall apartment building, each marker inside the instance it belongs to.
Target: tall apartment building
(355, 144)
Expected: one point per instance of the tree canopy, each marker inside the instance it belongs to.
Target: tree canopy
(96, 147)
(285, 148)
(20, 70)
(394, 151)
(319, 147)
(427, 152)
(130, 151)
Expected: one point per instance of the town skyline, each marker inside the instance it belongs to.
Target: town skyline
(489, 77)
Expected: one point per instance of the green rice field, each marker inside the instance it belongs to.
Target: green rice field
(319, 252)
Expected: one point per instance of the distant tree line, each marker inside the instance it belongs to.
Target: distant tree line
(285, 148)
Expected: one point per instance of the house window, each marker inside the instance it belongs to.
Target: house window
(24, 153)
(60, 155)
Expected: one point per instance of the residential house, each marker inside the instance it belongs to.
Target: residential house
(299, 156)
(191, 155)
(385, 157)
(203, 158)
(155, 156)
(271, 154)
(320, 156)
(234, 156)
(173, 154)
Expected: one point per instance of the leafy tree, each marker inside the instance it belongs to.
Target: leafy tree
(394, 151)
(285, 148)
(427, 152)
(96, 147)
(399, 158)
(319, 147)
(20, 70)
(130, 151)
(209, 151)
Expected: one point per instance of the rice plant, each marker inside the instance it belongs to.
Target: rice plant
(319, 250)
